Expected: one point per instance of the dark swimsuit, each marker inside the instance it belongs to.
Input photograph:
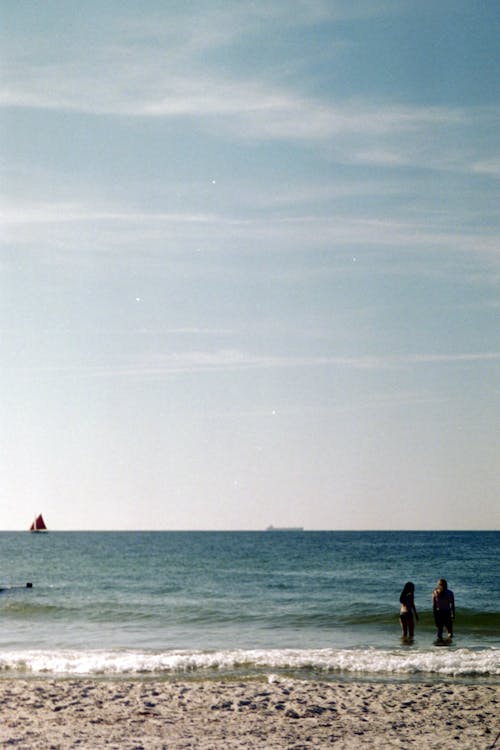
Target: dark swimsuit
(443, 611)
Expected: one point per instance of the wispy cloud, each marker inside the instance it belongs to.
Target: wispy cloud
(162, 65)
(248, 107)
(490, 167)
(171, 67)
(371, 132)
(234, 360)
(63, 213)
(62, 231)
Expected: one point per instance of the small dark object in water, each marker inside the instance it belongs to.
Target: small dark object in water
(18, 586)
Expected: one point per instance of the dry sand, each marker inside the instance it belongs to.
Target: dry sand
(83, 713)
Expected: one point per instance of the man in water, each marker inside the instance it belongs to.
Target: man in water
(443, 607)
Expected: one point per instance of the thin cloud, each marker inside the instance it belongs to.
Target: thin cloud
(63, 213)
(167, 67)
(52, 226)
(489, 167)
(234, 360)
(130, 76)
(379, 133)
(249, 108)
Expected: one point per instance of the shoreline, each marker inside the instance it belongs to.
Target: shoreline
(279, 713)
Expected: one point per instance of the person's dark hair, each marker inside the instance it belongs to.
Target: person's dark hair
(443, 583)
(409, 588)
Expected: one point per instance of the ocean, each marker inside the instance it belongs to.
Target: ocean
(171, 605)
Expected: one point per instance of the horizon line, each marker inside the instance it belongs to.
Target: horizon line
(296, 529)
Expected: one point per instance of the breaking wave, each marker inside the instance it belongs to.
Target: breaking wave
(317, 663)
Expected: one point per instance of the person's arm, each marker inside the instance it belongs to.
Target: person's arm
(452, 605)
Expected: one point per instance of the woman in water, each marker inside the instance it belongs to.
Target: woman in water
(443, 607)
(408, 610)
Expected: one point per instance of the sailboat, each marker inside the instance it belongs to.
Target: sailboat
(38, 525)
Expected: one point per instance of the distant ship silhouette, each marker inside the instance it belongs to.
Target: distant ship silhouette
(285, 528)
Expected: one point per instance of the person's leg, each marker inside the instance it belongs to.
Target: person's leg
(404, 625)
(449, 625)
(411, 627)
(440, 624)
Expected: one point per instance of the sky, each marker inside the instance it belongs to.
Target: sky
(249, 264)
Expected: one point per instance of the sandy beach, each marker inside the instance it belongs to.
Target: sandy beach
(291, 714)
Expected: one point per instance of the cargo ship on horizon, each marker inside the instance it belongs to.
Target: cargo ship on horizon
(285, 528)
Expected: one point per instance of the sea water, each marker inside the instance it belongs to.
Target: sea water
(217, 604)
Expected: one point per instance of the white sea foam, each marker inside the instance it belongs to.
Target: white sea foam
(454, 662)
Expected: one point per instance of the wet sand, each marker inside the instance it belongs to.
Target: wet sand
(129, 715)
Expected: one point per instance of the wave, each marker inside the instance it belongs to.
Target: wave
(325, 663)
(197, 618)
(92, 612)
(29, 610)
(468, 620)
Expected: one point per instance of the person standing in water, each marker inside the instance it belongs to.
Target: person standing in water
(408, 610)
(443, 607)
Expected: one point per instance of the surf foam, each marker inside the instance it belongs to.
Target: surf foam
(452, 662)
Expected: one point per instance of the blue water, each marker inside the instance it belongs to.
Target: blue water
(314, 603)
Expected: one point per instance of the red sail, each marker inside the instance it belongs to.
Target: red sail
(38, 524)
